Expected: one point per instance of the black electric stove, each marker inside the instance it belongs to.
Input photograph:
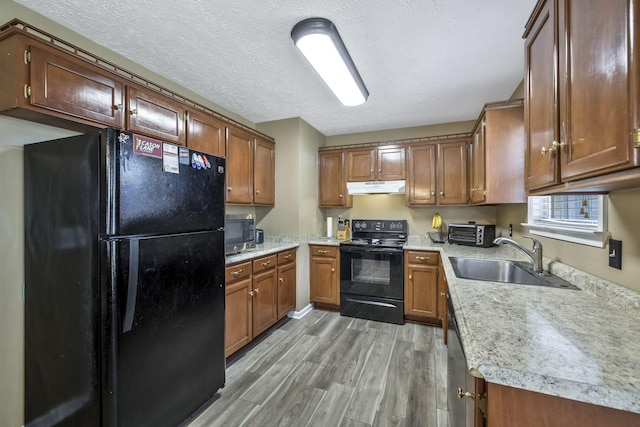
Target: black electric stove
(372, 271)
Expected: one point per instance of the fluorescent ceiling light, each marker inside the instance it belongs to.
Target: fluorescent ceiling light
(320, 43)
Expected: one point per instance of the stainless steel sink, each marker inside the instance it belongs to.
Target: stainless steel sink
(494, 270)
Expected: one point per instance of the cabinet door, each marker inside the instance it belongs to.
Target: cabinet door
(477, 162)
(421, 179)
(155, 115)
(443, 288)
(452, 173)
(421, 291)
(362, 165)
(286, 289)
(264, 184)
(238, 315)
(598, 84)
(391, 163)
(67, 85)
(541, 101)
(265, 301)
(324, 280)
(205, 133)
(332, 189)
(239, 166)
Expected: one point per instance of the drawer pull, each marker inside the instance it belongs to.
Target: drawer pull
(442, 294)
(133, 112)
(422, 258)
(266, 263)
(320, 251)
(287, 256)
(237, 273)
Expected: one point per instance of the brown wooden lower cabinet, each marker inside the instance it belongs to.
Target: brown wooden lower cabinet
(238, 307)
(256, 297)
(286, 282)
(324, 275)
(421, 291)
(509, 406)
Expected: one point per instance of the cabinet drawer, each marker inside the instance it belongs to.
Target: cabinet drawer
(237, 272)
(286, 257)
(265, 263)
(426, 258)
(328, 251)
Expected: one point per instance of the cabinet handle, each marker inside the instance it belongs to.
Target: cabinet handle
(287, 256)
(266, 263)
(442, 294)
(117, 106)
(410, 277)
(433, 193)
(462, 394)
(379, 170)
(340, 196)
(257, 191)
(320, 251)
(333, 269)
(422, 258)
(442, 193)
(251, 293)
(553, 148)
(228, 188)
(281, 280)
(256, 290)
(371, 171)
(134, 111)
(237, 273)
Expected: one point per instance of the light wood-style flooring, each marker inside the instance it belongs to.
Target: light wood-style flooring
(327, 370)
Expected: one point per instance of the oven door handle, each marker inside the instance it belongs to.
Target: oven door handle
(361, 249)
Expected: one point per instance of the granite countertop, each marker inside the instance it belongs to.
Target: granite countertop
(271, 245)
(582, 345)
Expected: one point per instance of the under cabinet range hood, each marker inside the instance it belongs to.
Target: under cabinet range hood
(376, 187)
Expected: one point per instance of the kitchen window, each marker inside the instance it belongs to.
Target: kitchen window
(577, 218)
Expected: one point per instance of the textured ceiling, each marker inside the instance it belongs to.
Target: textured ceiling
(423, 61)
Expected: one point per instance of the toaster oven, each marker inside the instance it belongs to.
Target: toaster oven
(472, 234)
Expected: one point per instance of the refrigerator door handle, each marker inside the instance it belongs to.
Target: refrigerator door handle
(132, 286)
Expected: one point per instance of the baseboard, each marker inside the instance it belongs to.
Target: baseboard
(300, 314)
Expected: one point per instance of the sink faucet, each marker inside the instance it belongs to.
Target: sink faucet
(534, 255)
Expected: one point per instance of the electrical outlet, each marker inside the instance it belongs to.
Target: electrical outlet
(615, 254)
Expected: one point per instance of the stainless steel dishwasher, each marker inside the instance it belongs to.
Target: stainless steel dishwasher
(462, 387)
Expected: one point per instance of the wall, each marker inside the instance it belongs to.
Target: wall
(624, 224)
(296, 210)
(404, 133)
(11, 281)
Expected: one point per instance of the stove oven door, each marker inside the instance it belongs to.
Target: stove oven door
(371, 271)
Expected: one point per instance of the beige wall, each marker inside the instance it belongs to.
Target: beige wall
(404, 133)
(624, 224)
(11, 282)
(296, 210)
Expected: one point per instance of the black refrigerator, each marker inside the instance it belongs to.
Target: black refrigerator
(124, 281)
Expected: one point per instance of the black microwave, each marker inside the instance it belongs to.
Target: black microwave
(472, 234)
(239, 233)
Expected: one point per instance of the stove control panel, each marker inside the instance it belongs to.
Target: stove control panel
(371, 225)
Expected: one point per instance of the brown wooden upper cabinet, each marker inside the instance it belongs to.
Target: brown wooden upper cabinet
(250, 168)
(156, 115)
(377, 164)
(438, 173)
(581, 94)
(264, 164)
(206, 133)
(332, 180)
(497, 155)
(44, 84)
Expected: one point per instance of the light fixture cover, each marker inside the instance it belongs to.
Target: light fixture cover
(320, 43)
